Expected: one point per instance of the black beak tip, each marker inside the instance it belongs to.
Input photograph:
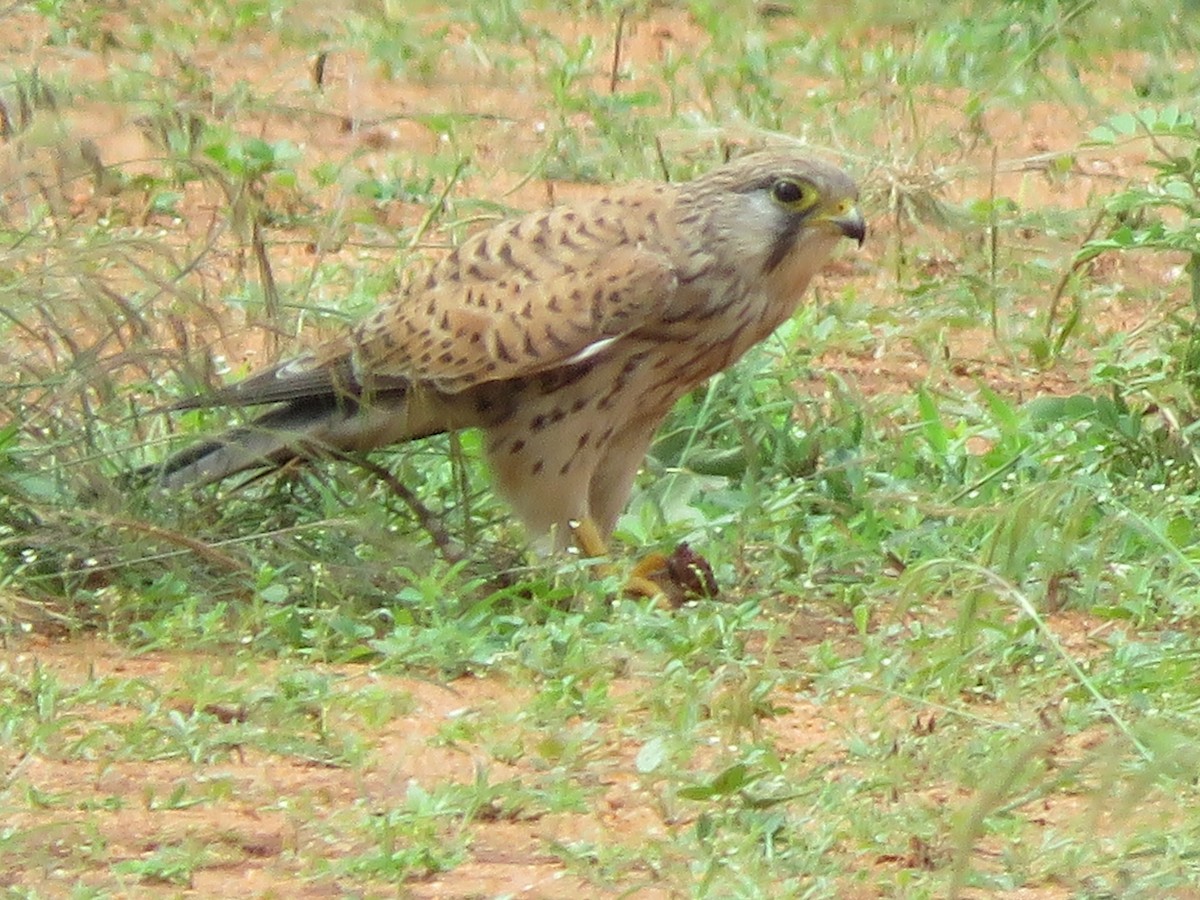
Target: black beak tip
(855, 228)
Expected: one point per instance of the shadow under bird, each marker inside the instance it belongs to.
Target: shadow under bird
(566, 335)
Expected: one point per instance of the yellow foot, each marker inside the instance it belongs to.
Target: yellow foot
(684, 575)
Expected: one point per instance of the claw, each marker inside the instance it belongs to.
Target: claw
(684, 575)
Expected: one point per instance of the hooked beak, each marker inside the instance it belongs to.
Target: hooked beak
(849, 221)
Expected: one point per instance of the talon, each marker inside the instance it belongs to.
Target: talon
(684, 575)
(645, 588)
(651, 565)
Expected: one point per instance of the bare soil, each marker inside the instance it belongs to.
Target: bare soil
(278, 809)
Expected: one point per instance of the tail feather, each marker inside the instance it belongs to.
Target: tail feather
(304, 428)
(269, 441)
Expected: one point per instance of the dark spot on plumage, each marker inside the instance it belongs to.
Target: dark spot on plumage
(554, 306)
(517, 446)
(473, 271)
(537, 423)
(447, 343)
(605, 435)
(583, 440)
(527, 310)
(618, 385)
(566, 467)
(558, 343)
(537, 467)
(484, 404)
(506, 255)
(444, 321)
(430, 281)
(579, 404)
(502, 351)
(490, 368)
(531, 349)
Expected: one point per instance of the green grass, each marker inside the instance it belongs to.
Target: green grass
(952, 505)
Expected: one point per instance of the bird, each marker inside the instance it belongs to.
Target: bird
(566, 334)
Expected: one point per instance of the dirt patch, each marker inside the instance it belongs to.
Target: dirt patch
(247, 816)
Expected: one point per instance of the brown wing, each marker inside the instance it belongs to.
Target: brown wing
(521, 298)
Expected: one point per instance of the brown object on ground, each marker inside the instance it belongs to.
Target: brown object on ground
(683, 576)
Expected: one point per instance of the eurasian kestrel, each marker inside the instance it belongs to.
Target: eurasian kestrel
(565, 334)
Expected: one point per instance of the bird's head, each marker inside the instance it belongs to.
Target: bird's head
(779, 213)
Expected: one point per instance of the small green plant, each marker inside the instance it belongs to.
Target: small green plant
(167, 865)
(1159, 215)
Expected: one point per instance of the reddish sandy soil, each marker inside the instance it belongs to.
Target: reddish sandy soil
(281, 808)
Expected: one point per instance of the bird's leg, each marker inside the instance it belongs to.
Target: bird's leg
(592, 544)
(587, 537)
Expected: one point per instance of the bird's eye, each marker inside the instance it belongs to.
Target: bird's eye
(791, 193)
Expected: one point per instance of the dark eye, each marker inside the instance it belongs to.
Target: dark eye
(788, 192)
